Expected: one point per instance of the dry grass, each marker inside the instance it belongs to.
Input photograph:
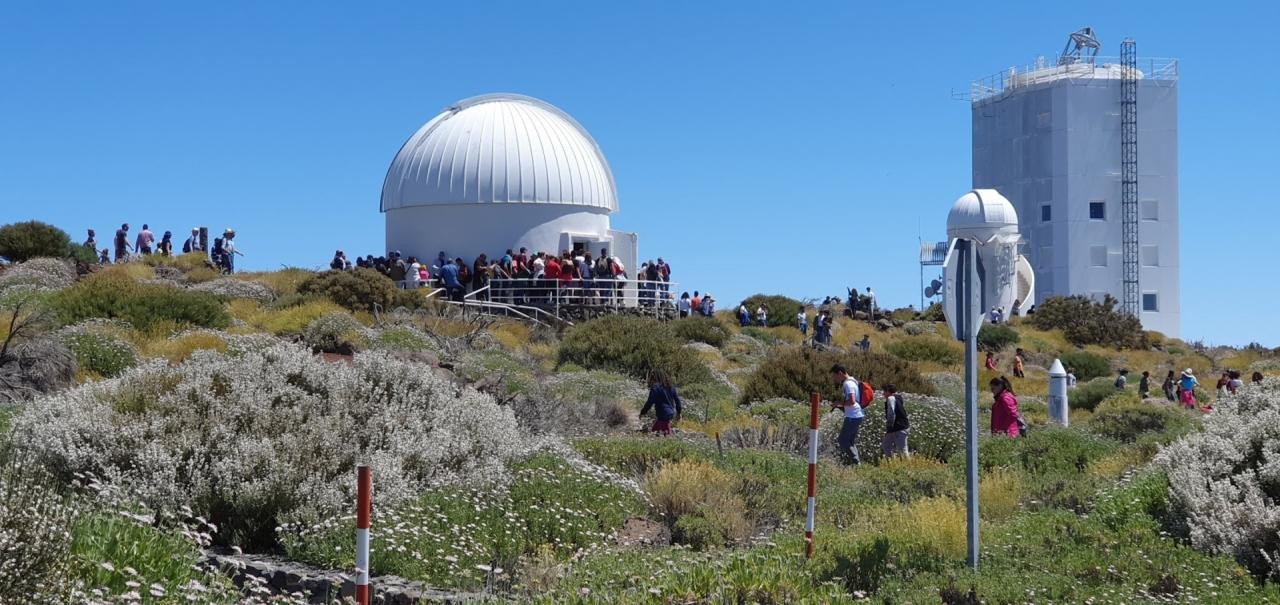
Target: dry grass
(291, 320)
(179, 348)
(136, 271)
(999, 493)
(938, 522)
(282, 282)
(680, 488)
(512, 335)
(1117, 464)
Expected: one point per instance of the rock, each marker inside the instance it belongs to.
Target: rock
(884, 325)
(861, 315)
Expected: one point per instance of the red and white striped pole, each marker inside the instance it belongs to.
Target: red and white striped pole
(815, 401)
(364, 506)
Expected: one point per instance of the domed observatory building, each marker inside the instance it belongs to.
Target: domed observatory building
(500, 172)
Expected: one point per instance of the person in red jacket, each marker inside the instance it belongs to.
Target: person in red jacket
(1004, 409)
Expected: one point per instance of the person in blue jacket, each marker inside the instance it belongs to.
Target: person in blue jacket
(664, 400)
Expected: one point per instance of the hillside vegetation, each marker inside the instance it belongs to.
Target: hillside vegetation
(151, 410)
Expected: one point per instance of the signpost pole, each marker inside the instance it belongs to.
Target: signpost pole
(967, 283)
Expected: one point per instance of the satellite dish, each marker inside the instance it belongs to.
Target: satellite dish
(929, 291)
(936, 285)
(1025, 282)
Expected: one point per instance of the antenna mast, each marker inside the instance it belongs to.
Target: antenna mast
(1129, 171)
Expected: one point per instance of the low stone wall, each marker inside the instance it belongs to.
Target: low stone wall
(317, 585)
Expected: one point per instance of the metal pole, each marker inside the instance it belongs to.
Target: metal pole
(815, 401)
(967, 277)
(364, 505)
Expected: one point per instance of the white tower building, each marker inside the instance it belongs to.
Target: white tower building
(500, 172)
(1048, 137)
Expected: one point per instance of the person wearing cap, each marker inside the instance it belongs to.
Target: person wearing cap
(229, 251)
(193, 243)
(1188, 384)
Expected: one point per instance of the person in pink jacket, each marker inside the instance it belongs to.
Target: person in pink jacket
(1004, 409)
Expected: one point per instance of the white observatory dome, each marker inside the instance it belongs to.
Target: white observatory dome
(983, 215)
(500, 149)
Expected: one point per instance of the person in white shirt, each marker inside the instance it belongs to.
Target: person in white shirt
(762, 316)
(853, 415)
(802, 321)
(684, 305)
(413, 274)
(871, 304)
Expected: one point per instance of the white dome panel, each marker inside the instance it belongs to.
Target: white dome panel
(500, 149)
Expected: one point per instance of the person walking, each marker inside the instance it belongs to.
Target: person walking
(990, 364)
(1167, 387)
(896, 424)
(850, 392)
(802, 321)
(1144, 385)
(865, 344)
(665, 402)
(1004, 408)
(762, 316)
(413, 274)
(1018, 364)
(449, 278)
(744, 316)
(122, 243)
(193, 243)
(145, 239)
(1221, 387)
(684, 305)
(1187, 385)
(165, 247)
(1122, 380)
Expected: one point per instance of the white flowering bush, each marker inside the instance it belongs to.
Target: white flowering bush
(335, 333)
(230, 287)
(249, 439)
(43, 273)
(35, 535)
(1225, 480)
(98, 348)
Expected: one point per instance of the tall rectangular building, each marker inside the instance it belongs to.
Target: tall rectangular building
(1047, 137)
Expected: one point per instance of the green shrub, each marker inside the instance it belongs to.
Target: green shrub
(701, 329)
(793, 373)
(1088, 395)
(101, 353)
(1087, 365)
(1127, 421)
(1086, 322)
(335, 333)
(631, 345)
(781, 309)
(995, 337)
(359, 290)
(20, 242)
(933, 312)
(933, 349)
(1053, 461)
(144, 305)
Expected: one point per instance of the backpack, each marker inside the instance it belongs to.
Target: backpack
(866, 393)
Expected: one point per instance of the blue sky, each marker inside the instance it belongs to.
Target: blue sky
(795, 148)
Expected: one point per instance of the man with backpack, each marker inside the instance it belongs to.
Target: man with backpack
(896, 425)
(852, 399)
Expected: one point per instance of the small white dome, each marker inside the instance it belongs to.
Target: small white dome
(500, 149)
(982, 214)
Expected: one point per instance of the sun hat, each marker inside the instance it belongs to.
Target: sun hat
(1187, 372)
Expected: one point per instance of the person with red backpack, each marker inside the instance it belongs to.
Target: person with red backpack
(852, 399)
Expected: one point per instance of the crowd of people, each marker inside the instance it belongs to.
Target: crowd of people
(525, 278)
(222, 253)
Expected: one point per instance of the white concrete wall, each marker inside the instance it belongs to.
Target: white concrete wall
(467, 230)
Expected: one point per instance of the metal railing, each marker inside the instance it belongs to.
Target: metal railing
(556, 293)
(1157, 69)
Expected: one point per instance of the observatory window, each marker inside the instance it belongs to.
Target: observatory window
(1150, 210)
(1098, 211)
(1046, 213)
(1150, 256)
(1150, 301)
(1097, 256)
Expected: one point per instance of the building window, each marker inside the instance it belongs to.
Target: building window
(1046, 213)
(1097, 256)
(1150, 210)
(1150, 256)
(1098, 211)
(1150, 302)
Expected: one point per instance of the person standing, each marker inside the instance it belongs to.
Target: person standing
(122, 243)
(165, 247)
(871, 303)
(1071, 378)
(684, 305)
(413, 274)
(990, 364)
(1122, 380)
(104, 257)
(91, 242)
(1187, 385)
(449, 277)
(665, 402)
(762, 316)
(229, 251)
(338, 262)
(1234, 385)
(1167, 387)
(193, 243)
(744, 316)
(865, 344)
(896, 424)
(802, 321)
(664, 271)
(1018, 364)
(1004, 408)
(853, 415)
(1144, 385)
(145, 239)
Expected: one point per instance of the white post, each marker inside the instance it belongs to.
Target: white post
(1058, 409)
